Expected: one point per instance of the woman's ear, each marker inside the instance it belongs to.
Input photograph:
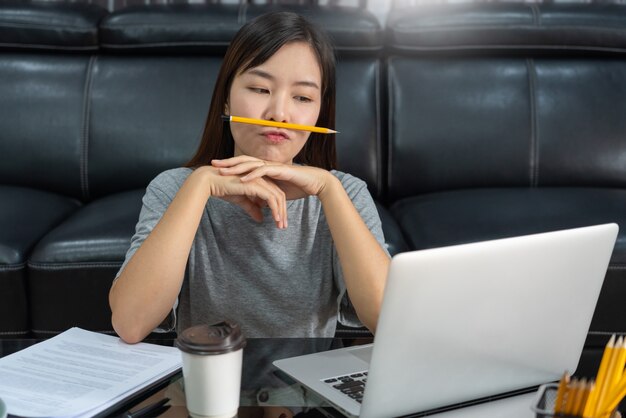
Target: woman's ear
(226, 109)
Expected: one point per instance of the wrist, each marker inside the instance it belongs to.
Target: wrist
(330, 187)
(202, 178)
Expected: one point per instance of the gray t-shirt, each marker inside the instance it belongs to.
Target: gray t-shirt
(273, 282)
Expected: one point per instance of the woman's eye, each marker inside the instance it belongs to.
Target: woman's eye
(259, 90)
(303, 99)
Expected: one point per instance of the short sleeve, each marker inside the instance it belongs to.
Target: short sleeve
(364, 204)
(159, 194)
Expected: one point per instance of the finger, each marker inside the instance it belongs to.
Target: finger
(277, 172)
(226, 162)
(261, 195)
(283, 203)
(274, 198)
(267, 192)
(282, 200)
(241, 168)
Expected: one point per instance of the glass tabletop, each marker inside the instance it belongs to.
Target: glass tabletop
(266, 392)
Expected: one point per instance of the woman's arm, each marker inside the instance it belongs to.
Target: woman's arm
(145, 292)
(363, 261)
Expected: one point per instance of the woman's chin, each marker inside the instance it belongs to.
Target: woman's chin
(274, 158)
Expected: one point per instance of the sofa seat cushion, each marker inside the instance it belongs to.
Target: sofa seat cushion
(393, 235)
(71, 269)
(457, 217)
(25, 216)
(98, 232)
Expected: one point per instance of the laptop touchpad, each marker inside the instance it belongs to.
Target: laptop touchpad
(363, 353)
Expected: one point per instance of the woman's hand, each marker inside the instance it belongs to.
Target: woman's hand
(293, 181)
(296, 181)
(251, 196)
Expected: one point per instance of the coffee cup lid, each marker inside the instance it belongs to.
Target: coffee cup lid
(219, 338)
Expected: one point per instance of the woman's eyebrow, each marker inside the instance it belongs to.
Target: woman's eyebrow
(268, 76)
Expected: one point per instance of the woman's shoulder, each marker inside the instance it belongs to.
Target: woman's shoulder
(349, 182)
(170, 180)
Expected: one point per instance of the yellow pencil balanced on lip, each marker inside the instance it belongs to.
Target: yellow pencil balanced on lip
(284, 125)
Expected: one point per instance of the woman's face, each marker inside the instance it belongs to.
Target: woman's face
(285, 88)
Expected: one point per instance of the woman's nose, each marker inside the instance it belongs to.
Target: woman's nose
(277, 109)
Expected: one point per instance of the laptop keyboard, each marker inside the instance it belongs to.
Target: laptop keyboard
(352, 385)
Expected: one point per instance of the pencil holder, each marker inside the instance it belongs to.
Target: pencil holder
(544, 405)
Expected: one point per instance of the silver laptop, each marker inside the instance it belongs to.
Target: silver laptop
(463, 322)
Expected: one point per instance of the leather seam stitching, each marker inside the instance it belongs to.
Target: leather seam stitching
(84, 177)
(216, 43)
(243, 10)
(59, 266)
(509, 46)
(617, 267)
(13, 267)
(506, 27)
(14, 332)
(534, 152)
(51, 47)
(47, 26)
(535, 12)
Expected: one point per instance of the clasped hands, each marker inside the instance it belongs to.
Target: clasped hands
(252, 184)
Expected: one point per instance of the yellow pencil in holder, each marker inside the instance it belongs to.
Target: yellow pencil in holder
(576, 398)
(544, 404)
(604, 383)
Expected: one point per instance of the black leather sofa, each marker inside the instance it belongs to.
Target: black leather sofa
(468, 122)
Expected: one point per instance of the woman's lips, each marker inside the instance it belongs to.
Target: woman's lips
(276, 137)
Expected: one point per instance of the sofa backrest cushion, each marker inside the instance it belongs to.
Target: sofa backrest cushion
(353, 31)
(511, 117)
(44, 66)
(188, 28)
(359, 121)
(41, 121)
(146, 115)
(175, 28)
(44, 25)
(508, 27)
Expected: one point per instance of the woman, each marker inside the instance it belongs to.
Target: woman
(258, 228)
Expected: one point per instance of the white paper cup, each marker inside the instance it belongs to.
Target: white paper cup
(212, 360)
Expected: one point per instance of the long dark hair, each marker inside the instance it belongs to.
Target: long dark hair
(254, 44)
